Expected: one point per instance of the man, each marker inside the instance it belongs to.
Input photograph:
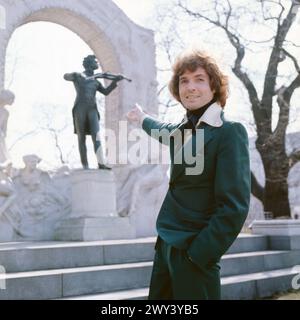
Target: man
(85, 113)
(202, 214)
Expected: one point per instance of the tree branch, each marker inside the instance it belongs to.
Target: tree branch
(283, 118)
(292, 58)
(256, 189)
(292, 87)
(284, 95)
(57, 145)
(29, 133)
(262, 2)
(272, 69)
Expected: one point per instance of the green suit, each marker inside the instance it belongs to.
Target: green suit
(201, 214)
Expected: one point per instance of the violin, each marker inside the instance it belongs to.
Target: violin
(108, 76)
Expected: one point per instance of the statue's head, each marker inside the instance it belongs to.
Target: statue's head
(90, 62)
(5, 167)
(6, 98)
(31, 161)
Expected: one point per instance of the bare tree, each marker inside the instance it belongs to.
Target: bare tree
(278, 16)
(46, 123)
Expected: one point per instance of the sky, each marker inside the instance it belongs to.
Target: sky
(38, 53)
(140, 14)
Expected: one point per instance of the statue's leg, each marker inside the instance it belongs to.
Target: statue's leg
(79, 125)
(96, 141)
(95, 132)
(82, 150)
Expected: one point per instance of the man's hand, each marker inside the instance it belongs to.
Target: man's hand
(136, 114)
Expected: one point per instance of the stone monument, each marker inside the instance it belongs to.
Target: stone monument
(51, 208)
(94, 212)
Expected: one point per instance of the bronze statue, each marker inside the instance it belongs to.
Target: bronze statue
(85, 113)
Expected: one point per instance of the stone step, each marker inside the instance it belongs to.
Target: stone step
(246, 287)
(131, 294)
(57, 283)
(52, 284)
(248, 242)
(31, 256)
(259, 284)
(251, 262)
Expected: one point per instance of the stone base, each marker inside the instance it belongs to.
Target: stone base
(93, 194)
(90, 229)
(94, 214)
(278, 227)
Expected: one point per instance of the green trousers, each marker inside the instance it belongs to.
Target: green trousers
(175, 276)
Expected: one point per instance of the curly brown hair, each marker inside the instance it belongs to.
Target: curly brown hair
(193, 59)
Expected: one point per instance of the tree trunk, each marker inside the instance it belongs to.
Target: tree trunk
(276, 165)
(256, 189)
(276, 191)
(276, 198)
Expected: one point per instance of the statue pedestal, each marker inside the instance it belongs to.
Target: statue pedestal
(280, 227)
(282, 234)
(94, 214)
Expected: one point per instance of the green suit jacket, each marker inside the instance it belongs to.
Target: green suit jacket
(204, 213)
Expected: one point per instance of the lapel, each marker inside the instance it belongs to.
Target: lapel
(178, 130)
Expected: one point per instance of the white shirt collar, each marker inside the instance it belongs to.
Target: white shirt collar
(212, 116)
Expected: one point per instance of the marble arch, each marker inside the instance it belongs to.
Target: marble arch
(120, 45)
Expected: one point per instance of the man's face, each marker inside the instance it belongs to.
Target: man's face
(194, 89)
(31, 164)
(94, 64)
(90, 63)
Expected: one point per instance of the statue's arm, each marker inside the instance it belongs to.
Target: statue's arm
(7, 203)
(106, 91)
(7, 191)
(70, 76)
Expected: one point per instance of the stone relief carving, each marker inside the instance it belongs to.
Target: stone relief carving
(6, 98)
(141, 181)
(10, 213)
(33, 200)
